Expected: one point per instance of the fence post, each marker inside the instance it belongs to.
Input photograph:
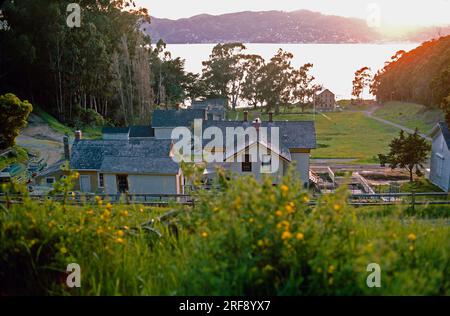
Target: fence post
(413, 200)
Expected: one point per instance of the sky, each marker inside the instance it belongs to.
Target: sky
(386, 13)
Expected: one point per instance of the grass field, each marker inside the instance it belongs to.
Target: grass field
(344, 135)
(410, 115)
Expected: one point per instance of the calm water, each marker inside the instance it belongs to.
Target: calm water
(334, 64)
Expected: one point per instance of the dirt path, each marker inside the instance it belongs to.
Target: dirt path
(41, 139)
(369, 113)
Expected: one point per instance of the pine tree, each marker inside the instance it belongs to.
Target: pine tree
(407, 152)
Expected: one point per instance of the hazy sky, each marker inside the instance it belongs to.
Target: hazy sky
(392, 12)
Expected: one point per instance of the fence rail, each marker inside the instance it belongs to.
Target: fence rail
(412, 199)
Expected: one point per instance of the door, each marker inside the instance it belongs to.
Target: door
(85, 183)
(122, 183)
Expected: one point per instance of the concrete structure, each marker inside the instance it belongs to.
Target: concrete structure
(325, 100)
(440, 157)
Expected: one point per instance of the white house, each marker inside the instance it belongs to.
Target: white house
(440, 156)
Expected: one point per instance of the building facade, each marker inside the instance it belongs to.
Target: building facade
(440, 157)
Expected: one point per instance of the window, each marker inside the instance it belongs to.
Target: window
(266, 163)
(122, 183)
(101, 181)
(440, 166)
(50, 180)
(246, 164)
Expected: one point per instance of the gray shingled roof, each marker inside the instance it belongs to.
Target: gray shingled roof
(115, 130)
(175, 118)
(214, 102)
(293, 134)
(142, 131)
(90, 154)
(137, 165)
(445, 132)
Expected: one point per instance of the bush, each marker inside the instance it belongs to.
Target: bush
(13, 117)
(87, 118)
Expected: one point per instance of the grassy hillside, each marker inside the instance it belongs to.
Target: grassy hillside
(411, 115)
(88, 132)
(249, 239)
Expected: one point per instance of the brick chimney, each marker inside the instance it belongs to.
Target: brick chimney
(256, 124)
(66, 147)
(78, 135)
(270, 116)
(245, 116)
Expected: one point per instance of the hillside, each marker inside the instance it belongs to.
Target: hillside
(262, 27)
(300, 26)
(409, 77)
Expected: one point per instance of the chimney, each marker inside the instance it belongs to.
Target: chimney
(245, 116)
(78, 135)
(270, 116)
(257, 124)
(66, 147)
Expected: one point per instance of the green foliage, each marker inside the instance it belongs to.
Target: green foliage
(246, 238)
(410, 152)
(13, 117)
(17, 154)
(420, 75)
(361, 81)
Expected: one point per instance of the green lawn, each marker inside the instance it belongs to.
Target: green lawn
(344, 134)
(410, 115)
(90, 132)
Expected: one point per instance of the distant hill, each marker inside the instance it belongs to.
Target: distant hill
(262, 27)
(301, 26)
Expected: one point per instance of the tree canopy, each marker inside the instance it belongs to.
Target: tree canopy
(13, 117)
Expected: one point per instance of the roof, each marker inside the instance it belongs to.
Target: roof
(126, 154)
(55, 168)
(142, 131)
(115, 130)
(293, 134)
(175, 118)
(137, 165)
(443, 127)
(323, 91)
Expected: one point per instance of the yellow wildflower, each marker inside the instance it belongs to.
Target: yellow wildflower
(260, 243)
(337, 207)
(331, 269)
(124, 213)
(63, 250)
(120, 240)
(141, 210)
(120, 233)
(289, 209)
(109, 206)
(216, 209)
(251, 220)
(90, 212)
(284, 189)
(286, 235)
(412, 237)
(204, 234)
(306, 199)
(299, 236)
(279, 213)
